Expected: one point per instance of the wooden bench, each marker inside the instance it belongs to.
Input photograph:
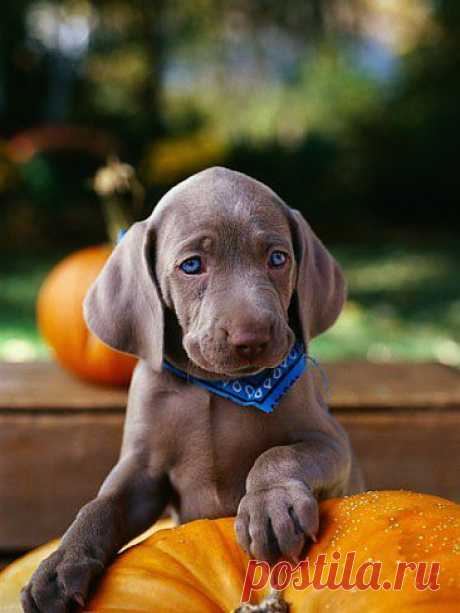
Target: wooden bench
(59, 437)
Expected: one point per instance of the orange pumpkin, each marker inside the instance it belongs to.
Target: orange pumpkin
(198, 568)
(60, 320)
(388, 526)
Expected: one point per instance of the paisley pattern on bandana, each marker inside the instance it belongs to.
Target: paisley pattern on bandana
(263, 390)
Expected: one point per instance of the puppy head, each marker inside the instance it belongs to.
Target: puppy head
(224, 266)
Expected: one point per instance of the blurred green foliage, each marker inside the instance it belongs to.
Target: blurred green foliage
(404, 304)
(348, 108)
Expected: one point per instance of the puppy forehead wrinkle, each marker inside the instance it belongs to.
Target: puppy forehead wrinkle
(202, 227)
(231, 209)
(216, 188)
(228, 237)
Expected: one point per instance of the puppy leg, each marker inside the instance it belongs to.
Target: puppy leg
(279, 513)
(131, 499)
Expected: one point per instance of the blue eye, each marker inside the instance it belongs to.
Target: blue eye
(192, 266)
(277, 259)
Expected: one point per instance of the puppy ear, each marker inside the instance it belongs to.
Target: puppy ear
(320, 285)
(123, 306)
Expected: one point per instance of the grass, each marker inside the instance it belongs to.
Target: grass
(20, 278)
(404, 304)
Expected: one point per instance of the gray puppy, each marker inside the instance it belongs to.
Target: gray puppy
(219, 281)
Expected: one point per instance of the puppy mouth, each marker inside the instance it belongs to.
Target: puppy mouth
(231, 369)
(253, 368)
(249, 370)
(225, 370)
(237, 371)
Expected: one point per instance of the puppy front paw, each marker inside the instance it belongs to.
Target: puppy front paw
(61, 582)
(278, 521)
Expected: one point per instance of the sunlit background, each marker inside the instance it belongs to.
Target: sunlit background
(350, 109)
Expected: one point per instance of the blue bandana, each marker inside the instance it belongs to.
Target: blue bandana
(263, 390)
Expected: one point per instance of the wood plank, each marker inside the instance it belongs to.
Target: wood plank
(38, 386)
(50, 465)
(394, 386)
(411, 450)
(59, 437)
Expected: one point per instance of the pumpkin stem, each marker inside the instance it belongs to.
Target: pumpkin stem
(121, 193)
(273, 603)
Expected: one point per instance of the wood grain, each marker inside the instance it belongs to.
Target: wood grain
(50, 465)
(35, 386)
(59, 437)
(417, 451)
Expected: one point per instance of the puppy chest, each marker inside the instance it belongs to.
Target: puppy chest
(217, 453)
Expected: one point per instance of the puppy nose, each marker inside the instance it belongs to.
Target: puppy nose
(250, 345)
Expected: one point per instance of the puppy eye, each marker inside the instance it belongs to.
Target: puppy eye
(192, 266)
(277, 259)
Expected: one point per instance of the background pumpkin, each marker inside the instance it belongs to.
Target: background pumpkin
(60, 320)
(59, 305)
(198, 567)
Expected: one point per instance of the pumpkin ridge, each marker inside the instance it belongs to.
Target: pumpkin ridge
(158, 574)
(198, 590)
(238, 559)
(154, 572)
(188, 566)
(118, 575)
(187, 578)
